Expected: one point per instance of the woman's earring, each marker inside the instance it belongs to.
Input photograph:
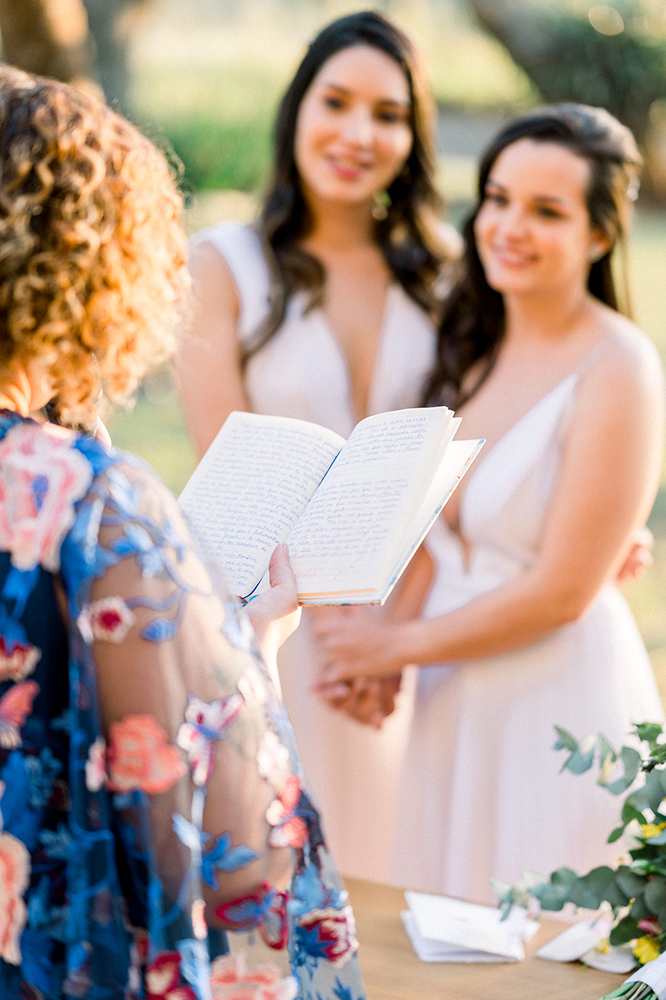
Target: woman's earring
(381, 206)
(595, 254)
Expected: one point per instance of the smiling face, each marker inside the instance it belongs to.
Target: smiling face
(353, 132)
(533, 230)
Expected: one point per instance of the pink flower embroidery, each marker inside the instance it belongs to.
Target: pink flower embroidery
(332, 932)
(163, 979)
(14, 876)
(41, 477)
(140, 756)
(110, 619)
(231, 980)
(96, 765)
(273, 759)
(15, 707)
(204, 723)
(290, 829)
(253, 687)
(20, 663)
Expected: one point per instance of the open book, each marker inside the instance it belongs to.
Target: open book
(353, 512)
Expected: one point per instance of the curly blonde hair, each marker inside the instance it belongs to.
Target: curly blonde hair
(92, 253)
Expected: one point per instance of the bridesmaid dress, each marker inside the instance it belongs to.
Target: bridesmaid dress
(301, 372)
(481, 793)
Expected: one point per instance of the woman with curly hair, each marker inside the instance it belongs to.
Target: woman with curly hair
(151, 799)
(324, 310)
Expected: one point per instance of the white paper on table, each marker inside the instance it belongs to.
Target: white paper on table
(653, 974)
(449, 930)
(618, 958)
(437, 951)
(574, 942)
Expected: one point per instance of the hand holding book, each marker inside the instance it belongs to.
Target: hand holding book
(352, 512)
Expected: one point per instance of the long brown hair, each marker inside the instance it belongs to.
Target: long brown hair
(408, 236)
(472, 326)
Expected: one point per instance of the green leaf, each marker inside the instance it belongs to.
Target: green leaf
(563, 876)
(654, 790)
(625, 930)
(602, 883)
(615, 834)
(655, 897)
(639, 910)
(629, 813)
(631, 762)
(554, 894)
(580, 894)
(639, 799)
(629, 881)
(582, 758)
(566, 741)
(607, 758)
(605, 750)
(552, 897)
(649, 731)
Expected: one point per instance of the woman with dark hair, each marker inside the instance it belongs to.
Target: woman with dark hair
(151, 797)
(324, 310)
(523, 628)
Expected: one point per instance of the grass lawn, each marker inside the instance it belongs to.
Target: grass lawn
(155, 430)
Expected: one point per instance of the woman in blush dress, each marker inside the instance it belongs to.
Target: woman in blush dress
(324, 310)
(524, 628)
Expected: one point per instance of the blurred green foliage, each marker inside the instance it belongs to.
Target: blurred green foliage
(214, 101)
(216, 119)
(623, 72)
(220, 155)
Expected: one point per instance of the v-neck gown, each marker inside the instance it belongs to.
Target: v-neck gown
(481, 793)
(301, 372)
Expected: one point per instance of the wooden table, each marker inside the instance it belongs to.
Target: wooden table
(392, 971)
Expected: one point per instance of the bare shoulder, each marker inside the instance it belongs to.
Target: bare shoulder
(211, 276)
(631, 364)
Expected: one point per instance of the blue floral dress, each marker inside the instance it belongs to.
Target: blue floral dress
(155, 826)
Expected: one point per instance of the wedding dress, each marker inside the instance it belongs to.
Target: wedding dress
(301, 372)
(481, 793)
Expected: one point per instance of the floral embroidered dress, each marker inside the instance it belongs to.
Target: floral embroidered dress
(125, 862)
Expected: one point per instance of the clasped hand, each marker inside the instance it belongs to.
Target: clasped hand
(359, 676)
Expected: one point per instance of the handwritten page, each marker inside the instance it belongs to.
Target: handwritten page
(250, 488)
(341, 540)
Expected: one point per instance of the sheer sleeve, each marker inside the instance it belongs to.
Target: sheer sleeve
(153, 810)
(195, 752)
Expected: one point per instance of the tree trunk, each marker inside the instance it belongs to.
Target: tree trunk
(50, 38)
(111, 25)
